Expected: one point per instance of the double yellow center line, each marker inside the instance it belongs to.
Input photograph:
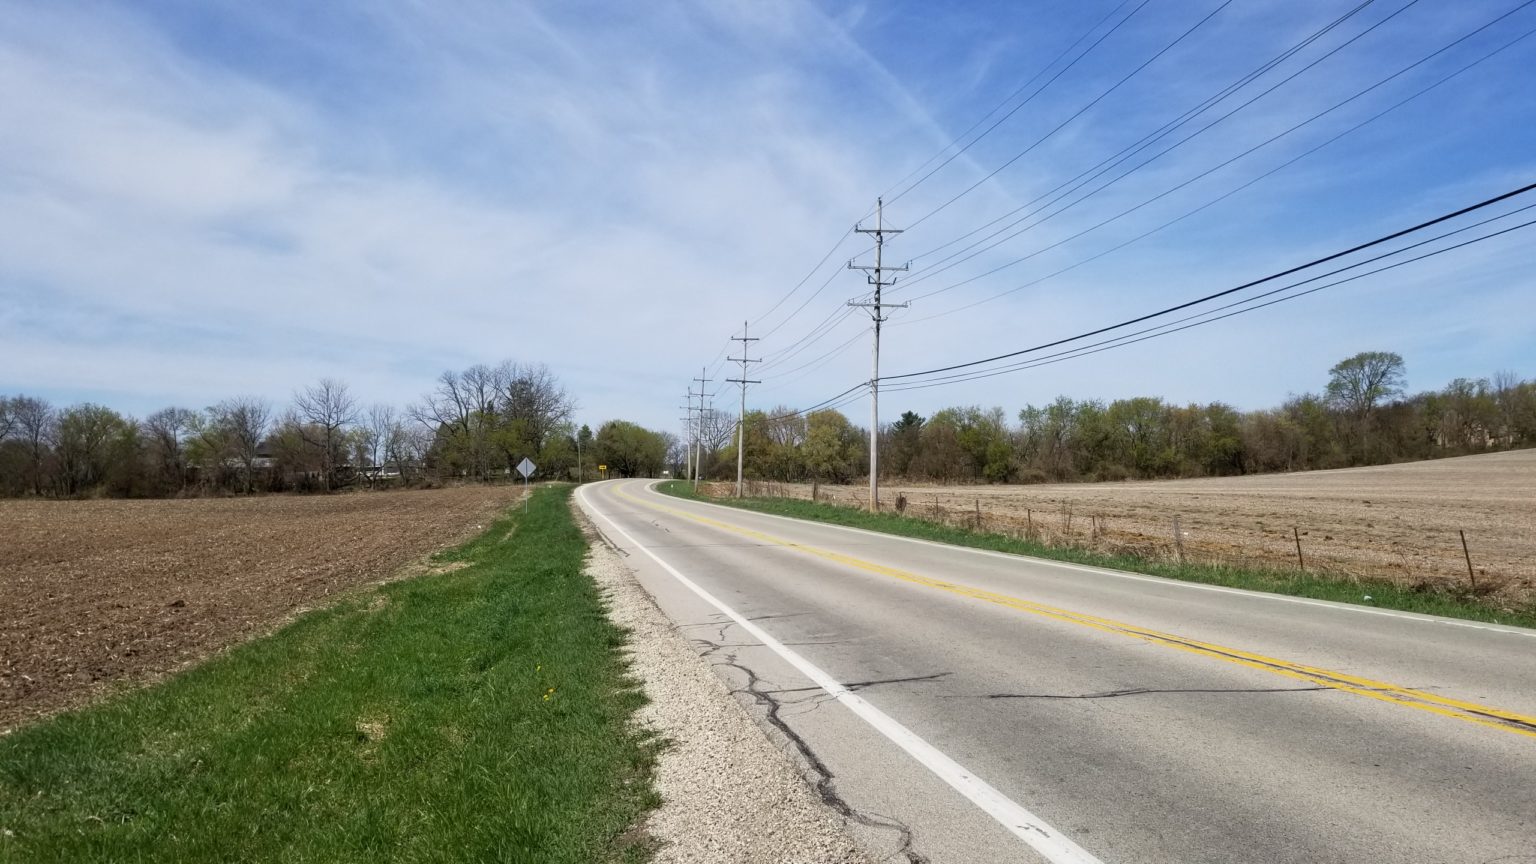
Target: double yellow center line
(1381, 691)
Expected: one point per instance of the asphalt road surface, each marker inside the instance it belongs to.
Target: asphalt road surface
(960, 705)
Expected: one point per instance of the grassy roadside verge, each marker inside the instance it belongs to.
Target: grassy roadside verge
(1383, 594)
(478, 713)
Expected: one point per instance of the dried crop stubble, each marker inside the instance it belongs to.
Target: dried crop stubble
(98, 594)
(1393, 521)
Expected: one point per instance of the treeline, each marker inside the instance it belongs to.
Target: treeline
(477, 424)
(1362, 417)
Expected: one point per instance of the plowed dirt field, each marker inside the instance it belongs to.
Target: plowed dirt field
(1395, 521)
(100, 594)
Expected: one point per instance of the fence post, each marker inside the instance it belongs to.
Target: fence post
(978, 515)
(1300, 561)
(1178, 539)
(1471, 574)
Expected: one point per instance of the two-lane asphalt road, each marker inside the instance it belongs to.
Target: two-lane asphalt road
(969, 706)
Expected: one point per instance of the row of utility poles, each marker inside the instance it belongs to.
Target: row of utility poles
(878, 276)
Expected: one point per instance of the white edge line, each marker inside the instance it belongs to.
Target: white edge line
(1020, 822)
(1139, 577)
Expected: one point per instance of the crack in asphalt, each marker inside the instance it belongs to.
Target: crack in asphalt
(858, 685)
(825, 781)
(608, 542)
(1142, 691)
(808, 642)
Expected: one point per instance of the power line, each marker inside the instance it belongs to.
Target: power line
(817, 333)
(968, 190)
(787, 350)
(719, 360)
(1169, 329)
(876, 309)
(1286, 164)
(1162, 132)
(812, 337)
(798, 285)
(982, 246)
(741, 419)
(822, 330)
(934, 270)
(1010, 98)
(1281, 290)
(1243, 287)
(1209, 315)
(856, 391)
(698, 463)
(813, 365)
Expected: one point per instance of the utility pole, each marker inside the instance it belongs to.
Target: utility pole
(688, 448)
(698, 439)
(688, 435)
(741, 419)
(877, 315)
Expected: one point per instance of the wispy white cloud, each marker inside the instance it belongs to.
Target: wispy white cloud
(196, 201)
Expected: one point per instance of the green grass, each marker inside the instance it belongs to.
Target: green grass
(1320, 586)
(483, 714)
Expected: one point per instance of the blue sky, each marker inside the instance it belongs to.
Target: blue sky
(203, 199)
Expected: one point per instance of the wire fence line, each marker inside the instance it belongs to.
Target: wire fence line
(1312, 547)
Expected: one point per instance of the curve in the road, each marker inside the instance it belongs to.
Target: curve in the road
(1470, 712)
(1056, 847)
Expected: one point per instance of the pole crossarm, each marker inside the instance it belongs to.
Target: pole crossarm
(698, 438)
(876, 276)
(741, 418)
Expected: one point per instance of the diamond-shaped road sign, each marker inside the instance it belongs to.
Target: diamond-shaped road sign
(525, 468)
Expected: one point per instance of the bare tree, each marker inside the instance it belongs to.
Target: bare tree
(7, 419)
(719, 430)
(245, 421)
(377, 440)
(1506, 387)
(32, 420)
(461, 411)
(167, 431)
(327, 410)
(533, 406)
(409, 447)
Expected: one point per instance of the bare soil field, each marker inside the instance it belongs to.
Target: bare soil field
(99, 594)
(1394, 521)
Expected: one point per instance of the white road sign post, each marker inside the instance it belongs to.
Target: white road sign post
(525, 468)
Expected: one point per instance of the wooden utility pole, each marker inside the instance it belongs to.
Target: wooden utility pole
(698, 438)
(877, 315)
(741, 418)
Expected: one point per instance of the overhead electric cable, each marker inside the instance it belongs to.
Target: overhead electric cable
(1021, 154)
(815, 334)
(813, 365)
(798, 285)
(893, 198)
(1153, 137)
(964, 376)
(1293, 160)
(1165, 330)
(1223, 164)
(1246, 285)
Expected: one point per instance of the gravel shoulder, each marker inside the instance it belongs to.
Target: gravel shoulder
(730, 794)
